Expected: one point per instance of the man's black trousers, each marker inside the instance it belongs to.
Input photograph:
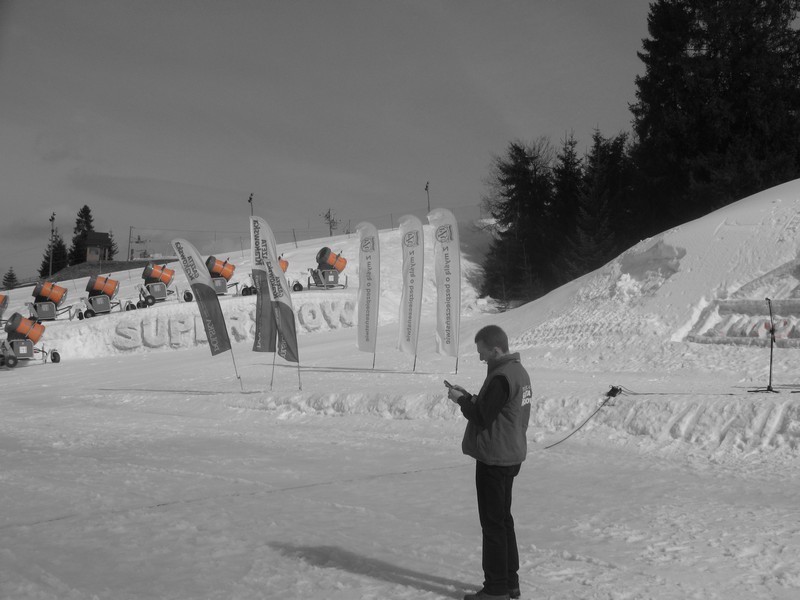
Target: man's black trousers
(500, 554)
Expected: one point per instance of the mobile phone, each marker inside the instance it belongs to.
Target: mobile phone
(447, 383)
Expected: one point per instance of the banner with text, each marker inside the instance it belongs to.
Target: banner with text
(271, 288)
(412, 244)
(207, 301)
(447, 270)
(266, 331)
(369, 286)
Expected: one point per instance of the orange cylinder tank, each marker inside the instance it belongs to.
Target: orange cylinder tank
(156, 273)
(218, 268)
(326, 257)
(49, 292)
(102, 285)
(20, 326)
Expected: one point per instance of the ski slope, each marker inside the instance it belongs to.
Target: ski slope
(140, 467)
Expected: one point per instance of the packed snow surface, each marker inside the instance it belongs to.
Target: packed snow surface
(141, 467)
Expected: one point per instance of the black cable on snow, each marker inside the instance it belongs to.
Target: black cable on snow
(612, 393)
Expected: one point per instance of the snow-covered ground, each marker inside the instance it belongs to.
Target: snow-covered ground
(138, 467)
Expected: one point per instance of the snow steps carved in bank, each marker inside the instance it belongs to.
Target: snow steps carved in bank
(743, 318)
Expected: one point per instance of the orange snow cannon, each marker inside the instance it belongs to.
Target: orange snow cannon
(218, 268)
(19, 327)
(158, 273)
(327, 260)
(49, 292)
(23, 333)
(100, 285)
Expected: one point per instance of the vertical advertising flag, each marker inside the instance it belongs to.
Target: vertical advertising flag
(265, 257)
(369, 286)
(412, 244)
(266, 334)
(207, 301)
(447, 269)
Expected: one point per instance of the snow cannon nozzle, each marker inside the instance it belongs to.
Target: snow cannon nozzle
(613, 392)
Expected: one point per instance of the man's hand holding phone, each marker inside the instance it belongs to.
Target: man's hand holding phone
(454, 392)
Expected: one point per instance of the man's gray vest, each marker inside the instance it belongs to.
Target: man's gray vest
(504, 442)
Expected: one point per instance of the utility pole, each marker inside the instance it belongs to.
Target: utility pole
(52, 234)
(130, 235)
(427, 185)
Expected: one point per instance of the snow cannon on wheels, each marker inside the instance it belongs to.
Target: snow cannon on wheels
(329, 267)
(221, 273)
(157, 279)
(102, 291)
(48, 299)
(23, 335)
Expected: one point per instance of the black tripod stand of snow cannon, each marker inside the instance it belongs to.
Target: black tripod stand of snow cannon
(771, 345)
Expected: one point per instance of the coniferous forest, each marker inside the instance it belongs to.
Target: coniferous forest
(716, 118)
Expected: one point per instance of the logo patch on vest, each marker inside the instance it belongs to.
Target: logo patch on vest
(527, 395)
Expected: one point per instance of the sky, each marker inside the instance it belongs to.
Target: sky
(163, 117)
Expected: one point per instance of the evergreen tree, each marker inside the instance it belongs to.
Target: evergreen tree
(567, 190)
(10, 279)
(520, 264)
(717, 115)
(114, 249)
(617, 176)
(84, 223)
(593, 243)
(60, 256)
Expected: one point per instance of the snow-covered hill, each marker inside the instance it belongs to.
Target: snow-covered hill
(139, 467)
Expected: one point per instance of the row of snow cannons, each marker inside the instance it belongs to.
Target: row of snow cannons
(50, 298)
(22, 336)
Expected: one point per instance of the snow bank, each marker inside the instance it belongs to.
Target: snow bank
(718, 423)
(175, 325)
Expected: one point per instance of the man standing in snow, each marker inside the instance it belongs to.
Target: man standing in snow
(497, 422)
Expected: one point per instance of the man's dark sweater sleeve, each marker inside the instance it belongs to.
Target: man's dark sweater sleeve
(482, 414)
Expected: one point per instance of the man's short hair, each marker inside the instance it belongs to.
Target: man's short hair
(493, 336)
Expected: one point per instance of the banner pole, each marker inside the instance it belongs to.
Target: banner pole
(456, 365)
(273, 370)
(374, 354)
(299, 382)
(235, 370)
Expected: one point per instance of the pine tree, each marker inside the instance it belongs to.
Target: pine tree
(84, 223)
(521, 265)
(617, 179)
(717, 115)
(10, 280)
(567, 190)
(113, 249)
(60, 256)
(593, 242)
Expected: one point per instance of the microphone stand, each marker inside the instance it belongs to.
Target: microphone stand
(771, 344)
